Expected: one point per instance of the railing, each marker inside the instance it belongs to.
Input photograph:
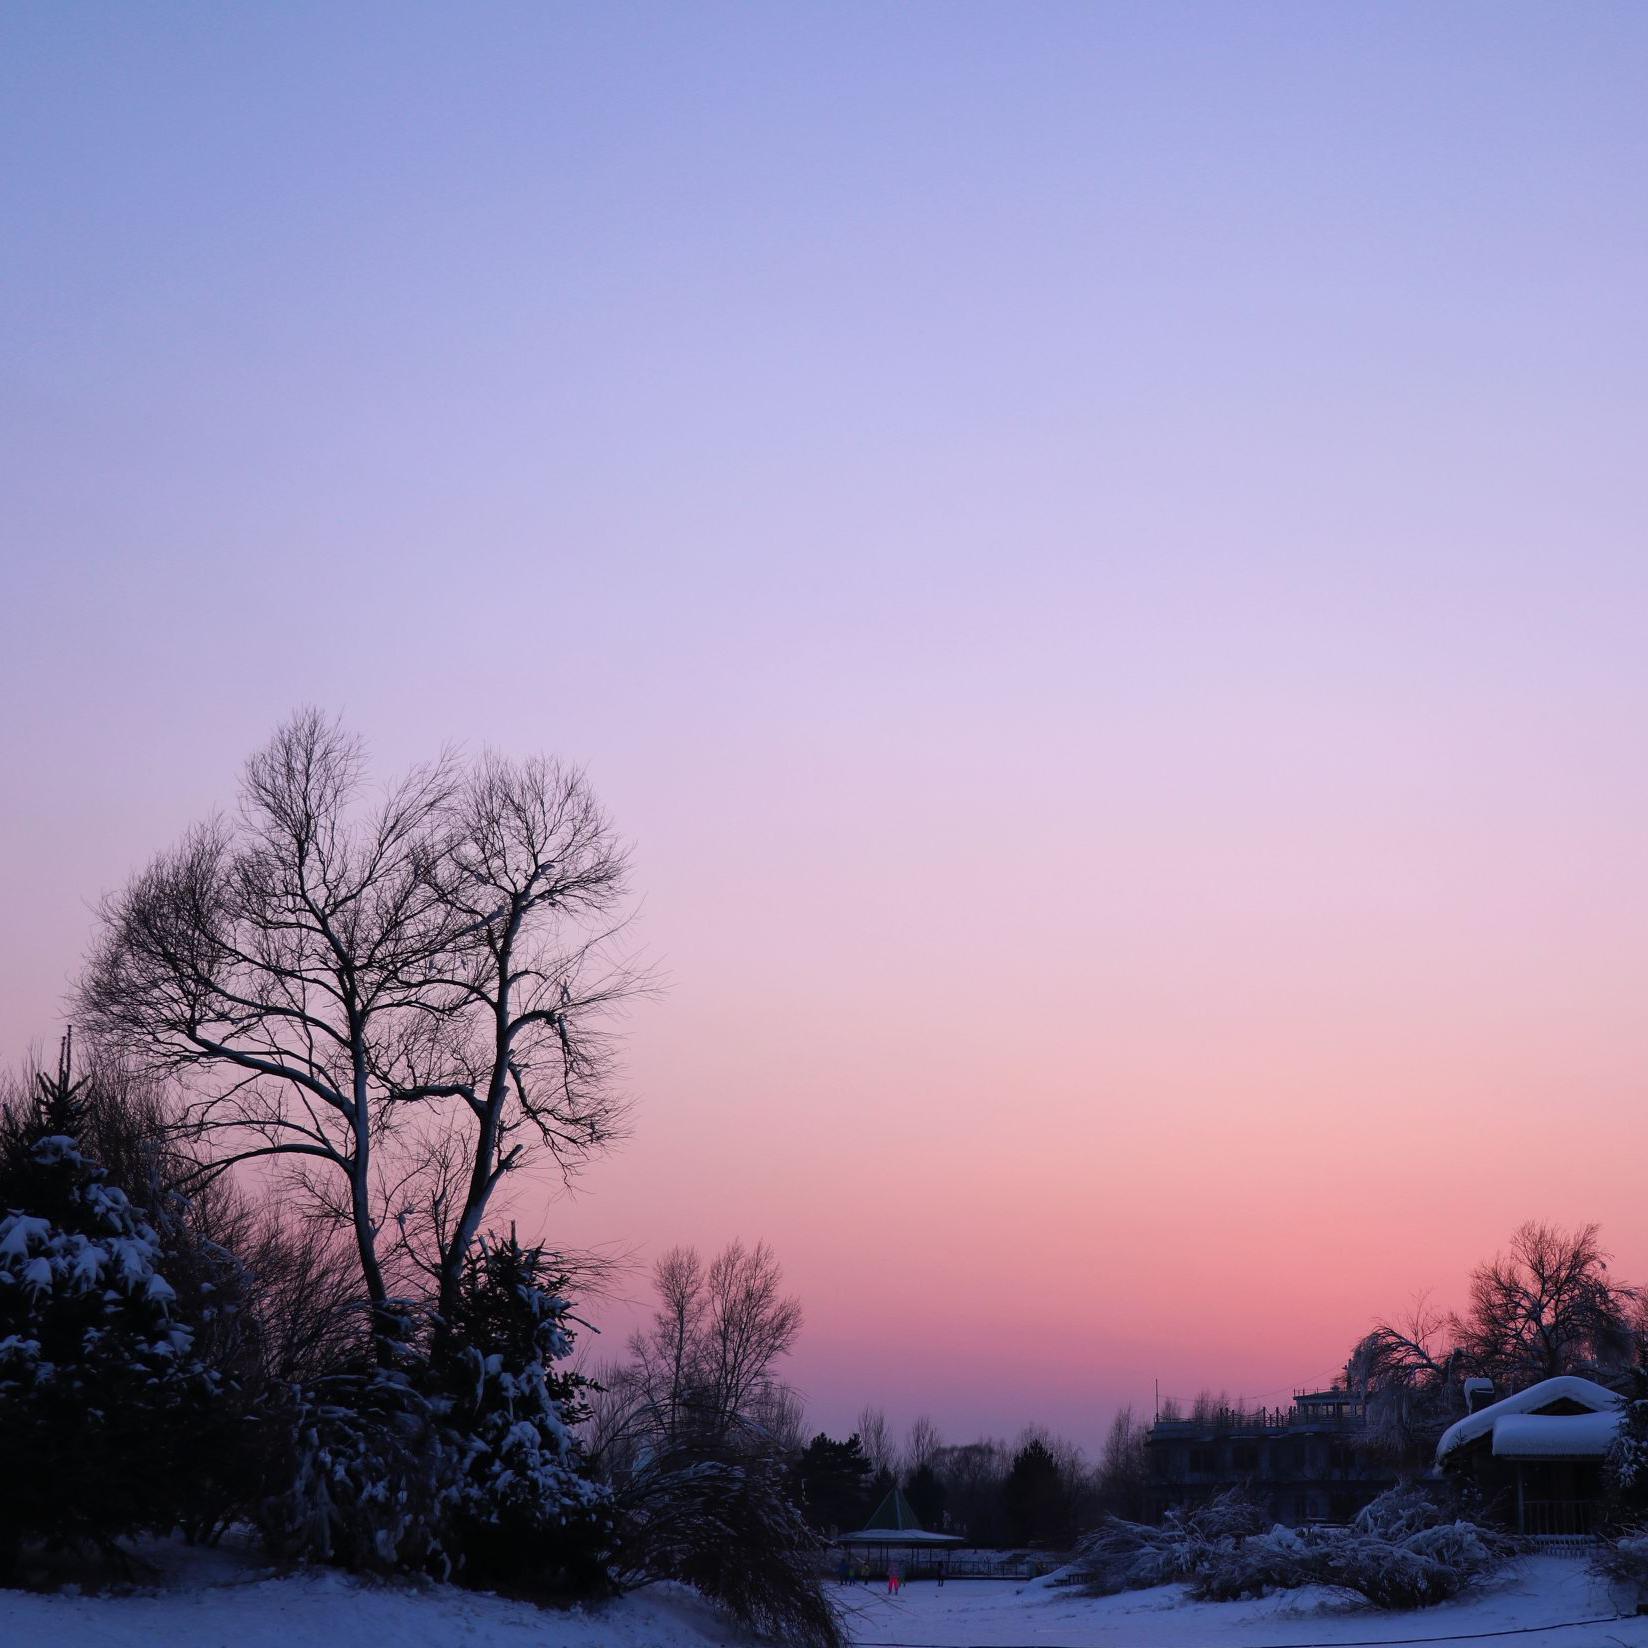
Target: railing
(872, 1564)
(1559, 1518)
(1257, 1420)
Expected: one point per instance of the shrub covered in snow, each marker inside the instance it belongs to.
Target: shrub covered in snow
(1280, 1559)
(1129, 1556)
(731, 1528)
(357, 1474)
(1399, 1553)
(1398, 1513)
(461, 1461)
(1418, 1569)
(1623, 1562)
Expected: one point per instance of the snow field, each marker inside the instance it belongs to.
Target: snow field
(222, 1602)
(1533, 1592)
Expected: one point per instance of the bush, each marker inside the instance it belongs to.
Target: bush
(732, 1529)
(1623, 1561)
(357, 1475)
(1401, 1553)
(1130, 1556)
(1398, 1553)
(1398, 1513)
(1253, 1566)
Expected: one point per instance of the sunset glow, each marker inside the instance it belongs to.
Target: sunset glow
(1136, 780)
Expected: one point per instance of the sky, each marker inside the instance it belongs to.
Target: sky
(1096, 552)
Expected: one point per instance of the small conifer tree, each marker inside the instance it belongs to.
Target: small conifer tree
(99, 1384)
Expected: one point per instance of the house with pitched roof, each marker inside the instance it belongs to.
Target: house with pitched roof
(1537, 1457)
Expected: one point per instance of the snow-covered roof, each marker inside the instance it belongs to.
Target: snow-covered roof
(897, 1536)
(1566, 1387)
(1555, 1435)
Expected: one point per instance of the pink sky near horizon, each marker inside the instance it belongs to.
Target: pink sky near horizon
(1096, 554)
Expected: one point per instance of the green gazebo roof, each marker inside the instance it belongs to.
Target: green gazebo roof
(895, 1515)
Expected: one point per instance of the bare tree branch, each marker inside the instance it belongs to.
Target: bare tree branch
(321, 969)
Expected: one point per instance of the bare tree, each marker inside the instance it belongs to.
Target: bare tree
(751, 1324)
(922, 1446)
(532, 875)
(781, 1417)
(668, 1359)
(703, 1375)
(692, 1436)
(1548, 1306)
(1121, 1477)
(1409, 1350)
(973, 1474)
(877, 1440)
(1405, 1372)
(323, 971)
(1211, 1409)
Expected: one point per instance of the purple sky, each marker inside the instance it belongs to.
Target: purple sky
(1097, 551)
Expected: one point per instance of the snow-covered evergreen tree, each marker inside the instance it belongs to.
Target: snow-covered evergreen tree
(1628, 1459)
(99, 1383)
(359, 1474)
(525, 1508)
(459, 1461)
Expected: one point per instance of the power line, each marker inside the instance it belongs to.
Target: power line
(1360, 1642)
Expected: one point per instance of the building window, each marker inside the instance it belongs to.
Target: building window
(1203, 1462)
(1244, 1457)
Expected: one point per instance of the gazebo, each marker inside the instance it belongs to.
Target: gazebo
(895, 1534)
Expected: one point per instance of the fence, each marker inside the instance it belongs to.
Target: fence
(1559, 1518)
(871, 1563)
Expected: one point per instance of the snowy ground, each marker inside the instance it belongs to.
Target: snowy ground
(223, 1602)
(1536, 1592)
(329, 1611)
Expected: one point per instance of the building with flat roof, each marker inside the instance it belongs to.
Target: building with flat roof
(1301, 1463)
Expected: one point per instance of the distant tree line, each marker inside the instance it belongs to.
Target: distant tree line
(1037, 1492)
